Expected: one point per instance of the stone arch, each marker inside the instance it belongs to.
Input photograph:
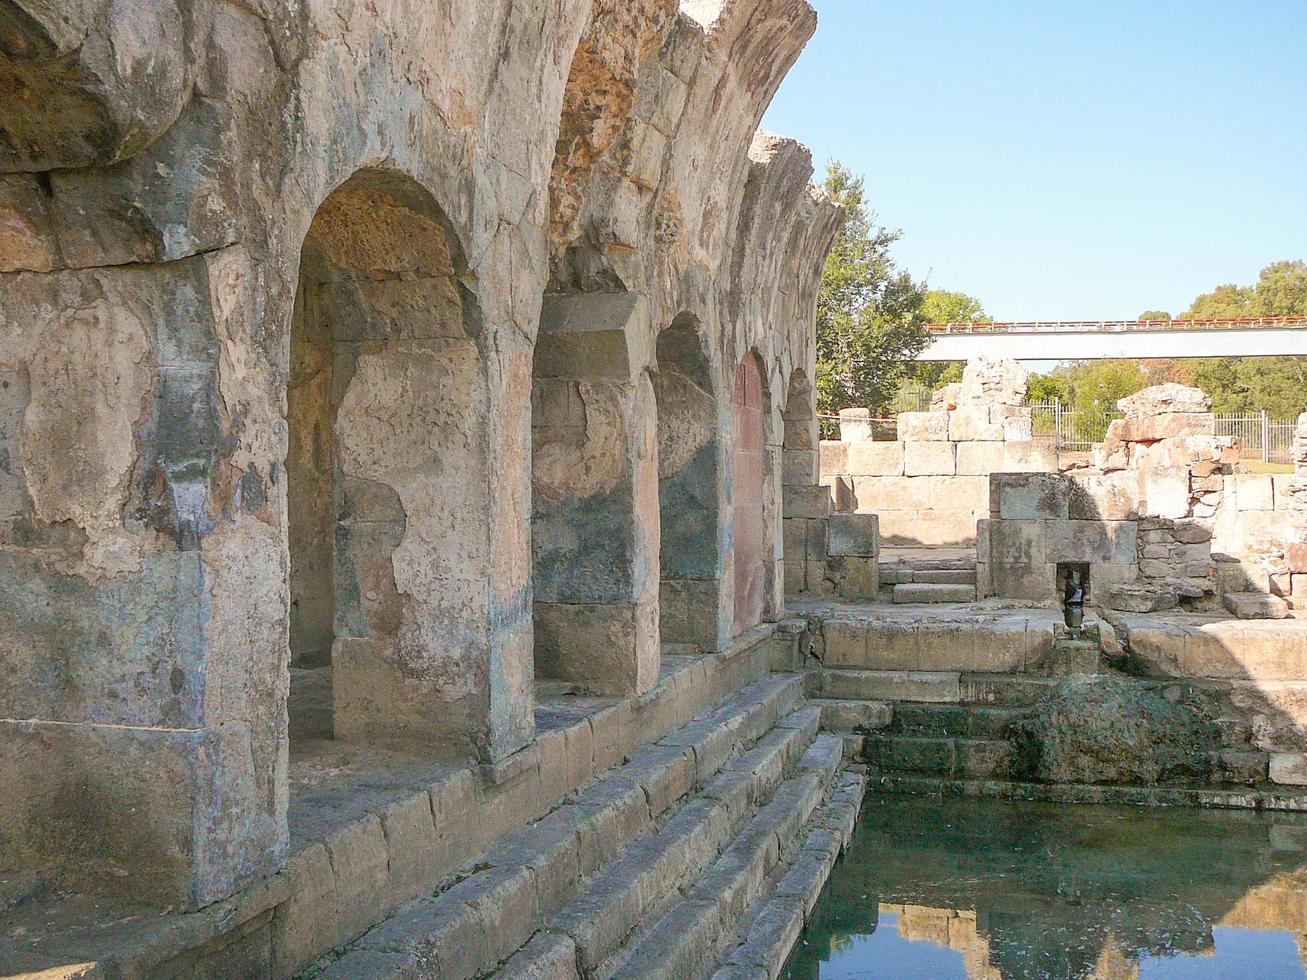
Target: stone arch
(689, 486)
(751, 541)
(387, 472)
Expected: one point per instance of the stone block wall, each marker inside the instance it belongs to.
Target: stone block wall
(1161, 506)
(310, 278)
(931, 485)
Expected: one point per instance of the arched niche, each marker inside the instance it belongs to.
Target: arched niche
(387, 475)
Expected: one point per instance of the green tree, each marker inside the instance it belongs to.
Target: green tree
(1276, 385)
(870, 324)
(1154, 315)
(1091, 388)
(1047, 388)
(943, 306)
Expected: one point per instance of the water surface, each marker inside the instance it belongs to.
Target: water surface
(940, 889)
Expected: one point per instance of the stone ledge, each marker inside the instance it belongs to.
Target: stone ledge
(299, 907)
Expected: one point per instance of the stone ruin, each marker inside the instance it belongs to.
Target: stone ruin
(1156, 514)
(407, 439)
(930, 485)
(403, 362)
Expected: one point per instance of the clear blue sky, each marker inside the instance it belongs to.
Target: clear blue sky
(1063, 159)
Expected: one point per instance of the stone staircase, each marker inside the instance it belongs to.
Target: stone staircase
(703, 853)
(934, 698)
(918, 576)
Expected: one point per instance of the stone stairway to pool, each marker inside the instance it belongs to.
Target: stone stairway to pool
(702, 853)
(996, 699)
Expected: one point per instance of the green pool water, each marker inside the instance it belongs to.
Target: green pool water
(939, 889)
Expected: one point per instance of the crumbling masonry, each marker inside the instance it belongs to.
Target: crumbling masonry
(393, 359)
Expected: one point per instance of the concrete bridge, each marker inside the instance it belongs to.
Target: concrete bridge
(1097, 339)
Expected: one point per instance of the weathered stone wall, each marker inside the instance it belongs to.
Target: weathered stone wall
(930, 486)
(1146, 512)
(197, 170)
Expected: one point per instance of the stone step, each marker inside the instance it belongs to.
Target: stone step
(919, 592)
(770, 929)
(683, 941)
(841, 715)
(971, 758)
(945, 576)
(888, 685)
(733, 756)
(932, 639)
(956, 720)
(1007, 689)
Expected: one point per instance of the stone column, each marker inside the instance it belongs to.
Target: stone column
(143, 660)
(595, 521)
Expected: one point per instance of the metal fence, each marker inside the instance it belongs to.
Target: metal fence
(1264, 438)
(1070, 431)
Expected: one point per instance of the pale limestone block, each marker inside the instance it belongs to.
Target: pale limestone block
(1104, 497)
(994, 381)
(972, 423)
(796, 579)
(1168, 425)
(878, 493)
(923, 426)
(898, 527)
(1165, 491)
(1160, 399)
(834, 458)
(1080, 541)
(1255, 605)
(1282, 484)
(1017, 542)
(841, 492)
(998, 647)
(980, 458)
(875, 459)
(855, 424)
(806, 501)
(1254, 491)
(1036, 581)
(1289, 768)
(947, 528)
(794, 538)
(1036, 456)
(817, 534)
(818, 580)
(958, 493)
(891, 645)
(933, 458)
(1018, 428)
(845, 644)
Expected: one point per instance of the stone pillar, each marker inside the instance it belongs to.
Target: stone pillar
(595, 521)
(143, 664)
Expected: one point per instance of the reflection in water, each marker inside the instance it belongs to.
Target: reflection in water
(987, 890)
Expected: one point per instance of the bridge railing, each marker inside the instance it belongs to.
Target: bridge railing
(1122, 326)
